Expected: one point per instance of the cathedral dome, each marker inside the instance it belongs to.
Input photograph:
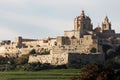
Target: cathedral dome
(83, 16)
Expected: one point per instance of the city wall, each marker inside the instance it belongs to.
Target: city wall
(65, 58)
(54, 59)
(75, 58)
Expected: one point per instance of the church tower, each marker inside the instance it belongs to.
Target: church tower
(106, 25)
(82, 24)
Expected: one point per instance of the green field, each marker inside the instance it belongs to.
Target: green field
(56, 74)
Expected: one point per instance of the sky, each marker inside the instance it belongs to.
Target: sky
(49, 18)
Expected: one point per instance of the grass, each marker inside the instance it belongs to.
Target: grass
(56, 74)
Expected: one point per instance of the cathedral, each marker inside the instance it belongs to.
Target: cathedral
(84, 34)
(82, 26)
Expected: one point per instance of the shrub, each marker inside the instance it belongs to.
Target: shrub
(3, 60)
(38, 66)
(22, 59)
(93, 50)
(32, 52)
(106, 47)
(97, 72)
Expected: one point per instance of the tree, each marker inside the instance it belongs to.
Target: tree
(106, 47)
(33, 51)
(47, 52)
(118, 49)
(3, 60)
(97, 72)
(22, 59)
(93, 50)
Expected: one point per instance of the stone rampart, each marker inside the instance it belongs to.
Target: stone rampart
(54, 59)
(86, 58)
(65, 58)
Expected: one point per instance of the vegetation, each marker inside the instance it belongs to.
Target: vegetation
(3, 60)
(106, 47)
(21, 64)
(112, 56)
(41, 51)
(55, 74)
(32, 52)
(37, 66)
(93, 50)
(22, 60)
(96, 72)
(46, 52)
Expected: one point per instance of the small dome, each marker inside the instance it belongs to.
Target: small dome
(98, 29)
(83, 16)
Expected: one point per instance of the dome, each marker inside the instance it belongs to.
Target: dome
(97, 29)
(83, 16)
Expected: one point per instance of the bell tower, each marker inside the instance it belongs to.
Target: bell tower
(106, 25)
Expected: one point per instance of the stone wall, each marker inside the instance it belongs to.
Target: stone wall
(65, 58)
(69, 33)
(71, 48)
(54, 59)
(83, 59)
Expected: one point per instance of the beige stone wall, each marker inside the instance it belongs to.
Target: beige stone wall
(74, 41)
(71, 48)
(54, 59)
(69, 33)
(77, 34)
(52, 42)
(21, 47)
(62, 40)
(40, 58)
(87, 40)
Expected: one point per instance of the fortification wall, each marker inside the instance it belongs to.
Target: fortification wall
(65, 58)
(71, 48)
(68, 33)
(83, 59)
(54, 59)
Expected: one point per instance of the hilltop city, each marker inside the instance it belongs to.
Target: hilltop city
(83, 44)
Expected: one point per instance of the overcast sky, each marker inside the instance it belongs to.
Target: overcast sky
(42, 18)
